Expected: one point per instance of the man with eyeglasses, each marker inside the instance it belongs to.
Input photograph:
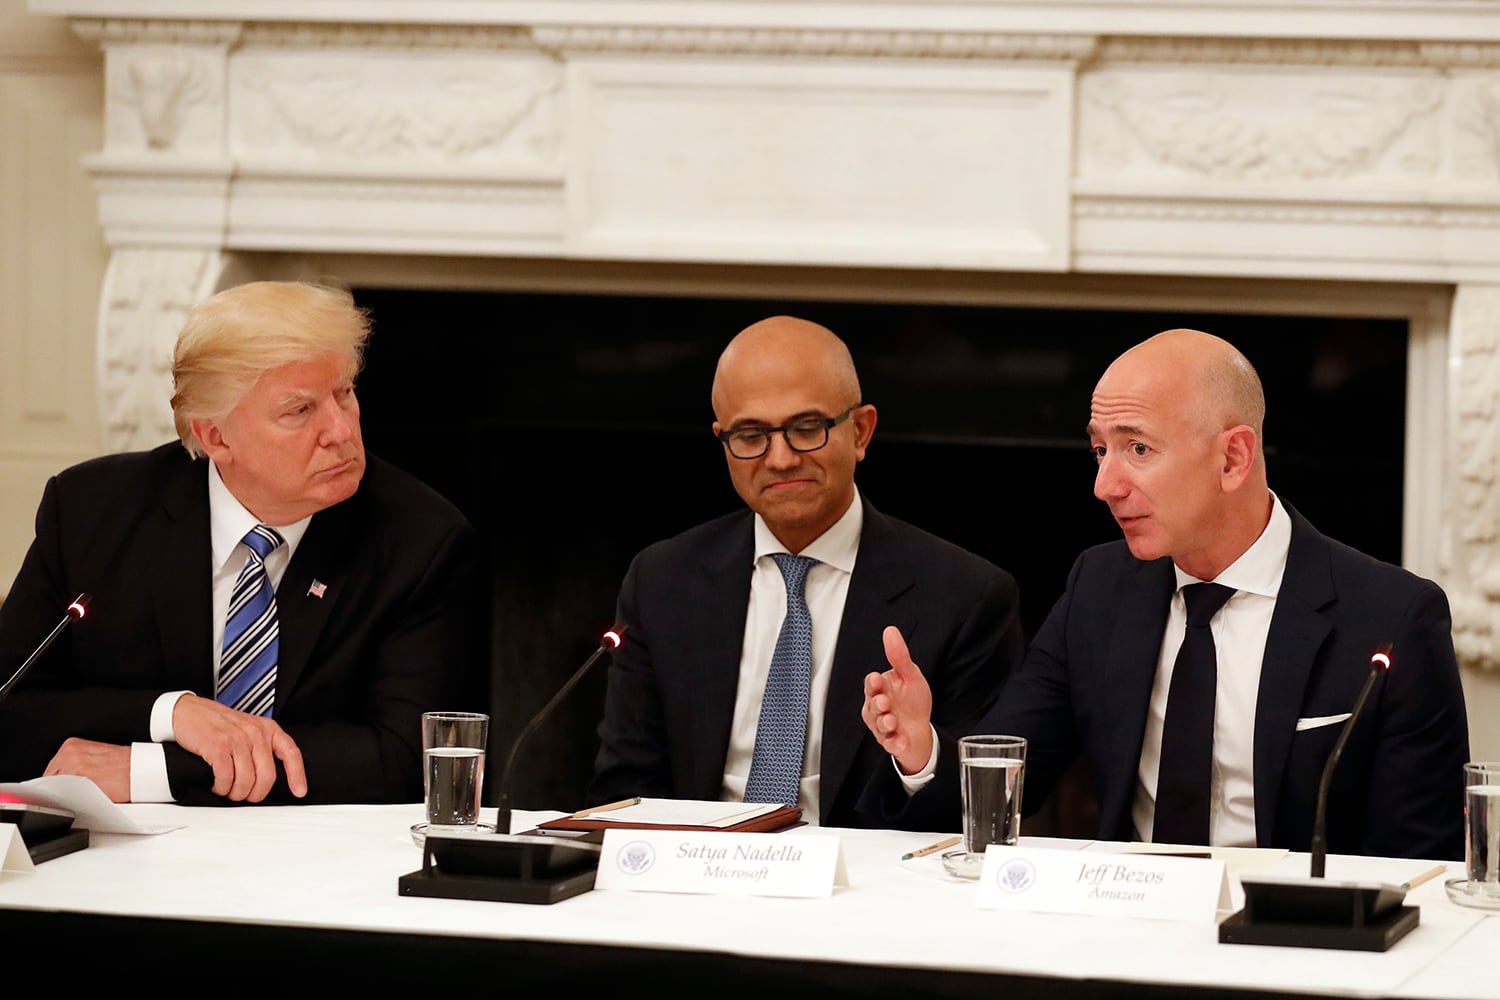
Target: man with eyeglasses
(748, 637)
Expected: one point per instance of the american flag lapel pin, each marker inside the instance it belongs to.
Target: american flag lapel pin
(318, 589)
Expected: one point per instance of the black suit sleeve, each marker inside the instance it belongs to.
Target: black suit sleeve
(632, 758)
(56, 699)
(1034, 702)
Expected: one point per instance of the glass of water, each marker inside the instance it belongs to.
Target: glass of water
(453, 751)
(1481, 834)
(993, 770)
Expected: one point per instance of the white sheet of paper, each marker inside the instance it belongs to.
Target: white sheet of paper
(13, 854)
(1238, 860)
(715, 863)
(91, 808)
(686, 812)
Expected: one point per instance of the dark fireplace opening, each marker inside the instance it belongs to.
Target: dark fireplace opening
(573, 429)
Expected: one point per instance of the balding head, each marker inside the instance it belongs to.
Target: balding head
(781, 344)
(1206, 374)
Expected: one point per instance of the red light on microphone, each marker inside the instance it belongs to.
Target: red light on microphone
(613, 637)
(1381, 659)
(80, 606)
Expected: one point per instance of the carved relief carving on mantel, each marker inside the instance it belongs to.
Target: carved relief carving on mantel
(1475, 594)
(1476, 129)
(347, 108)
(147, 296)
(1212, 126)
(162, 85)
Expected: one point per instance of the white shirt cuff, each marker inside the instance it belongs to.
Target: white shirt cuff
(914, 783)
(161, 717)
(148, 774)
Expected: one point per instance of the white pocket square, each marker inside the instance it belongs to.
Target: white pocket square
(1320, 721)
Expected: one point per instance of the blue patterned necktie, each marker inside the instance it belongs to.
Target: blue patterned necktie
(1184, 778)
(247, 670)
(776, 768)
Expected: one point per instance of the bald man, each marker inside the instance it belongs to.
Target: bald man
(705, 610)
(1176, 430)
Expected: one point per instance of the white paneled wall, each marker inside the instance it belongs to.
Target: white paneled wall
(52, 259)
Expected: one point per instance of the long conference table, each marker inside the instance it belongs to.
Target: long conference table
(311, 893)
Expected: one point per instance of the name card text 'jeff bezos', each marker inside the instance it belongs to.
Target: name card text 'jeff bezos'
(1127, 885)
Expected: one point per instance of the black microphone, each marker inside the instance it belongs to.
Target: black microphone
(1380, 661)
(75, 612)
(611, 640)
(47, 833)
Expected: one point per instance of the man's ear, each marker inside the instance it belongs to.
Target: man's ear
(1240, 449)
(864, 428)
(211, 439)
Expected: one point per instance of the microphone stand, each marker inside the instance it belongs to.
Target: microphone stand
(1319, 845)
(513, 868)
(612, 640)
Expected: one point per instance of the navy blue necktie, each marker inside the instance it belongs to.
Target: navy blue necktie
(1184, 778)
(247, 670)
(776, 767)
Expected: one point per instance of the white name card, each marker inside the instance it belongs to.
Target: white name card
(1124, 885)
(734, 864)
(13, 854)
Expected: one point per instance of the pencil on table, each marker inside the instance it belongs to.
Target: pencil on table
(1429, 874)
(634, 800)
(922, 852)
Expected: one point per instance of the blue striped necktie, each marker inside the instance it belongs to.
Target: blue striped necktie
(247, 670)
(776, 767)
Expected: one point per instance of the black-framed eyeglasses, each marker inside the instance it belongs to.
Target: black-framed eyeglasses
(803, 434)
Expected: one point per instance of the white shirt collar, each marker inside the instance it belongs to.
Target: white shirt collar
(836, 547)
(1259, 568)
(229, 521)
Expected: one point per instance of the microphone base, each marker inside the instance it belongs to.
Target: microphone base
(1313, 913)
(512, 868)
(47, 833)
(545, 890)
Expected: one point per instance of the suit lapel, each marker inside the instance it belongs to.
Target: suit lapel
(180, 559)
(880, 576)
(324, 556)
(1298, 629)
(1130, 673)
(719, 638)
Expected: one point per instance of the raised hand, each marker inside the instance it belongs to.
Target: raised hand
(898, 706)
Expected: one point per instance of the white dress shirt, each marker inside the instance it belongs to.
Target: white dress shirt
(229, 522)
(1239, 630)
(826, 589)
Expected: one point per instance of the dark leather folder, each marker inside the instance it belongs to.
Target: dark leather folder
(777, 819)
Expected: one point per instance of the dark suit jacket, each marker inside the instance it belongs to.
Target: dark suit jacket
(1086, 685)
(387, 640)
(670, 700)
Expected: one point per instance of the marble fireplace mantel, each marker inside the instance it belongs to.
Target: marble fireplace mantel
(1328, 155)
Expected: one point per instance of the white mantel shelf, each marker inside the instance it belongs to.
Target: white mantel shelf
(1341, 155)
(1450, 20)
